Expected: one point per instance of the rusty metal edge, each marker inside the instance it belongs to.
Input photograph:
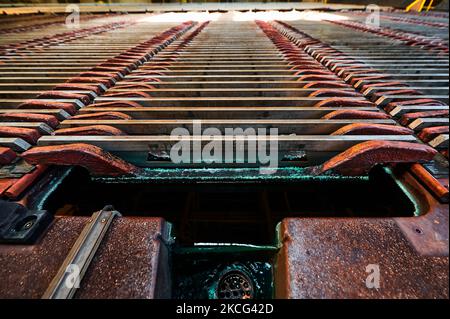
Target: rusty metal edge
(427, 233)
(428, 242)
(162, 276)
(81, 254)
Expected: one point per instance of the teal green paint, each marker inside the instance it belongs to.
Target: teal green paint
(225, 174)
(405, 190)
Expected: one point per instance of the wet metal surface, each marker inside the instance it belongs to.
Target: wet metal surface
(27, 270)
(126, 264)
(327, 258)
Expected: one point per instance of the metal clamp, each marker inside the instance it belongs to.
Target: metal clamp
(81, 254)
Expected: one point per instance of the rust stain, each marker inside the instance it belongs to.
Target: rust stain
(327, 258)
(91, 130)
(93, 158)
(359, 159)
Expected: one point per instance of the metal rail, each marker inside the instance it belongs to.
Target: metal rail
(72, 270)
(124, 93)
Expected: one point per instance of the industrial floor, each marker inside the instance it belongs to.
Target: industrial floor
(88, 110)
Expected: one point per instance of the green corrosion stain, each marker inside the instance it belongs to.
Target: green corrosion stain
(286, 174)
(406, 191)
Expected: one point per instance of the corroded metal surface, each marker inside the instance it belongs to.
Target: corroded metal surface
(359, 159)
(6, 155)
(352, 114)
(97, 161)
(26, 271)
(27, 134)
(312, 71)
(50, 120)
(36, 104)
(131, 262)
(371, 129)
(25, 182)
(90, 130)
(327, 258)
(102, 116)
(429, 133)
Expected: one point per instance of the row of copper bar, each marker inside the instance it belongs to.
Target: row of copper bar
(409, 83)
(234, 74)
(228, 74)
(104, 101)
(41, 85)
(50, 77)
(28, 27)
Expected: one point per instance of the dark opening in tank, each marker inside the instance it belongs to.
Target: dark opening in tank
(239, 212)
